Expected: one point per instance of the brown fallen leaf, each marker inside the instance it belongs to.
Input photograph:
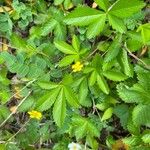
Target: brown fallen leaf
(119, 145)
(13, 109)
(94, 5)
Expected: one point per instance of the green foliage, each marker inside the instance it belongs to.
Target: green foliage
(74, 73)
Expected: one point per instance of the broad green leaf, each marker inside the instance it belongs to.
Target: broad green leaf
(67, 60)
(125, 64)
(75, 43)
(59, 109)
(102, 84)
(96, 27)
(145, 32)
(83, 93)
(93, 78)
(117, 23)
(47, 100)
(114, 75)
(71, 97)
(83, 16)
(64, 47)
(114, 49)
(141, 115)
(107, 114)
(104, 4)
(126, 8)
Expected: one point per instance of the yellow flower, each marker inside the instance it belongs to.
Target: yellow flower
(35, 114)
(77, 66)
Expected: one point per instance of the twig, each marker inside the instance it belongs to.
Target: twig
(16, 110)
(135, 57)
(95, 109)
(18, 131)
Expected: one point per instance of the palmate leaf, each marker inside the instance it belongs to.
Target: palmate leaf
(95, 19)
(74, 51)
(58, 96)
(84, 16)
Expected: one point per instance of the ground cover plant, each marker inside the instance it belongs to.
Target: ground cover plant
(74, 75)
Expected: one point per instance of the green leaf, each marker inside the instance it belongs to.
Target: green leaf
(122, 112)
(133, 95)
(145, 32)
(71, 97)
(93, 78)
(104, 4)
(59, 109)
(114, 75)
(102, 84)
(48, 27)
(64, 47)
(10, 59)
(107, 114)
(67, 60)
(146, 138)
(75, 43)
(125, 8)
(114, 49)
(125, 64)
(117, 23)
(141, 115)
(47, 100)
(96, 27)
(83, 93)
(83, 16)
(58, 2)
